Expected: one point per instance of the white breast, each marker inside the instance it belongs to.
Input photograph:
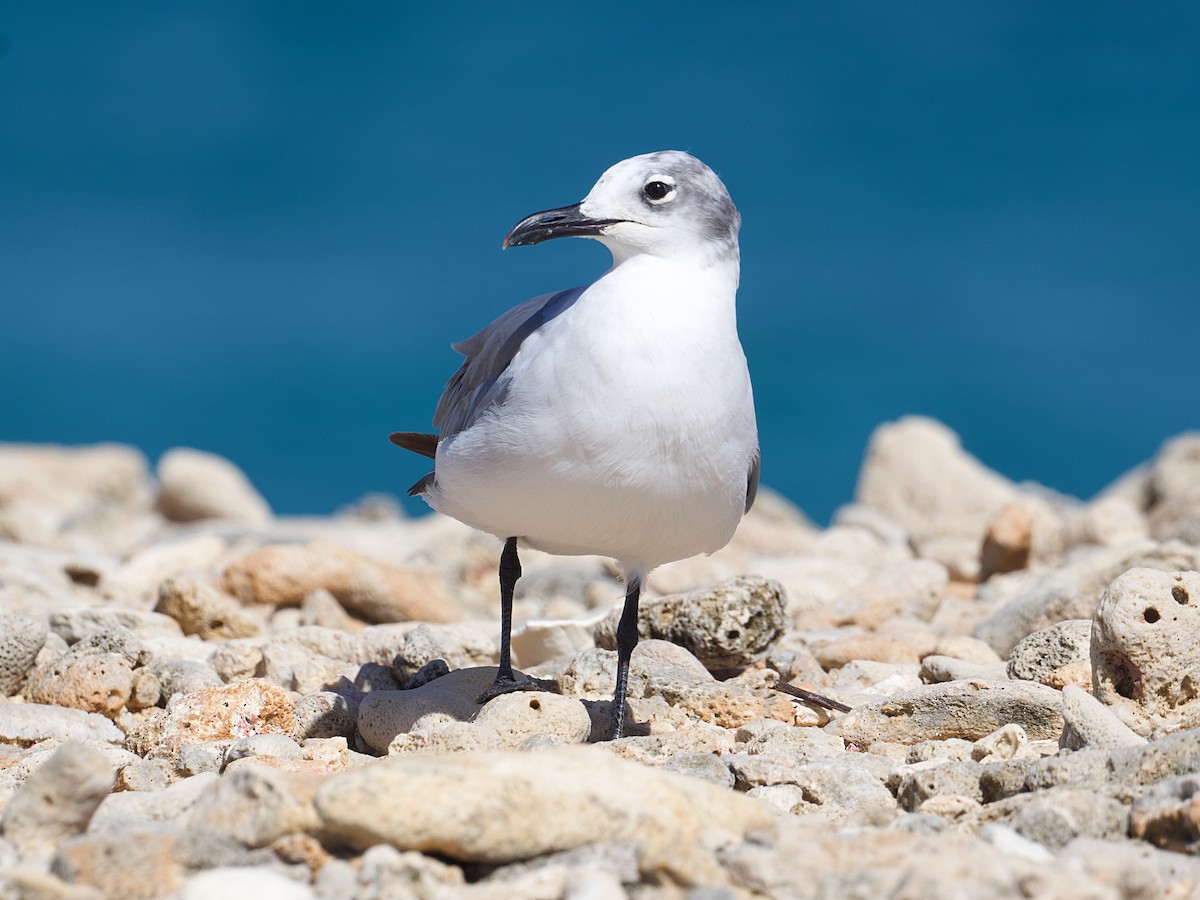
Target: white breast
(628, 429)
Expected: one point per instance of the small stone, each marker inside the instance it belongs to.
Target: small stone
(182, 676)
(58, 800)
(519, 715)
(201, 757)
(446, 737)
(73, 625)
(1146, 649)
(725, 626)
(917, 473)
(1006, 742)
(195, 485)
(126, 809)
(1057, 817)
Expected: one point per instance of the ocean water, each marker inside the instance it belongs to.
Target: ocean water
(255, 228)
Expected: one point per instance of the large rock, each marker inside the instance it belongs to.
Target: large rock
(58, 800)
(957, 709)
(196, 485)
(284, 575)
(1146, 649)
(500, 807)
(917, 473)
(725, 626)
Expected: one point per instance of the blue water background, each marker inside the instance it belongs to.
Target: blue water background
(255, 228)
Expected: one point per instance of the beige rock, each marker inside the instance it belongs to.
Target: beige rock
(58, 800)
(1026, 532)
(447, 737)
(521, 715)
(837, 652)
(255, 804)
(725, 625)
(500, 807)
(214, 714)
(962, 709)
(195, 485)
(99, 683)
(283, 575)
(21, 637)
(1146, 649)
(202, 610)
(451, 698)
(917, 473)
(25, 724)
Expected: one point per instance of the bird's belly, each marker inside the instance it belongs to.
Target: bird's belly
(628, 485)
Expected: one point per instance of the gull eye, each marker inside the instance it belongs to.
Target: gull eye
(658, 191)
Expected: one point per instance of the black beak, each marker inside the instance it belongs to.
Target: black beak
(554, 223)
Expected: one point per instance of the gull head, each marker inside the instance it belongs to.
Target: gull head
(665, 204)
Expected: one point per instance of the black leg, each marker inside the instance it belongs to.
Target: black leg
(627, 638)
(506, 680)
(510, 571)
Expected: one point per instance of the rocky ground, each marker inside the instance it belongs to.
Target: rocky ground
(204, 700)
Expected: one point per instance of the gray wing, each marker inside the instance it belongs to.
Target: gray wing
(480, 383)
(752, 481)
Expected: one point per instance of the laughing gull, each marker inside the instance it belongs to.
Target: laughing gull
(614, 419)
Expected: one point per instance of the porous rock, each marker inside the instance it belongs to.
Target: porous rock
(217, 713)
(1039, 654)
(969, 710)
(724, 626)
(501, 807)
(202, 610)
(1146, 649)
(21, 637)
(94, 682)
